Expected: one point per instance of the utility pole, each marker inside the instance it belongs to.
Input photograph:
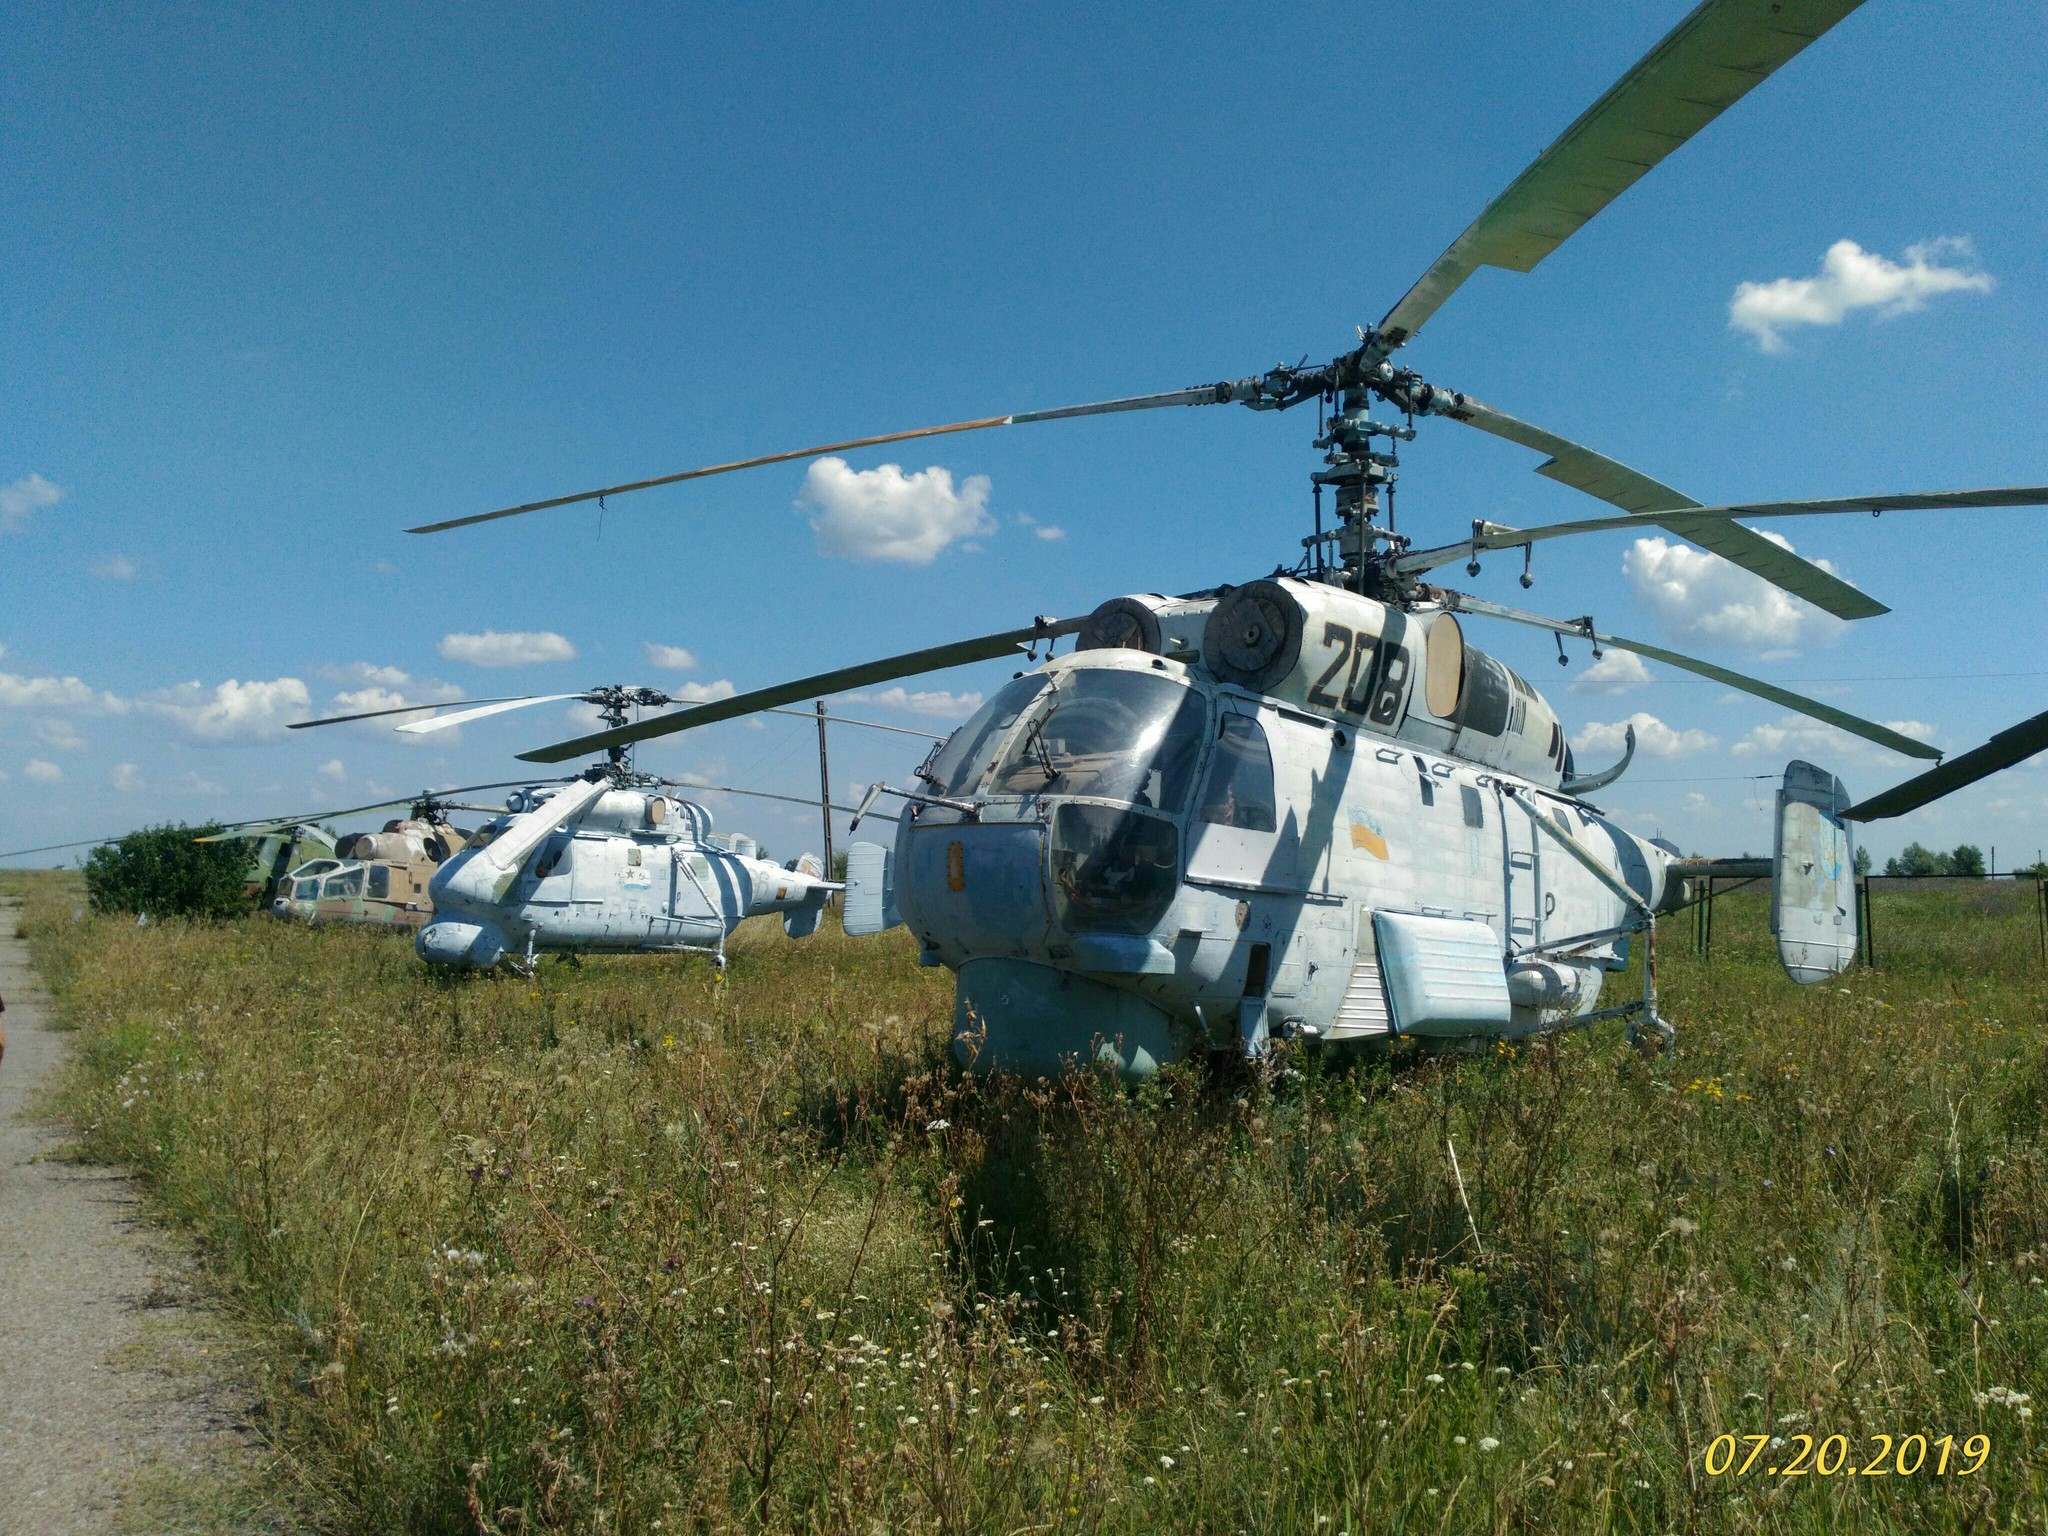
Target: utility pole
(824, 789)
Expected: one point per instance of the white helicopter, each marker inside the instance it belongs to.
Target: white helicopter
(612, 860)
(1305, 805)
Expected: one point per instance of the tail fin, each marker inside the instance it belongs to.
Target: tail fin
(1813, 876)
(870, 890)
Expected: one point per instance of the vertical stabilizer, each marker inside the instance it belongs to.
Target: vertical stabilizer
(870, 890)
(1813, 876)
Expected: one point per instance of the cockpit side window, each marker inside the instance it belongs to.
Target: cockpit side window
(967, 754)
(1239, 792)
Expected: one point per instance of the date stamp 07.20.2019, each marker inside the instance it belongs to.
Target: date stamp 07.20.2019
(1913, 1455)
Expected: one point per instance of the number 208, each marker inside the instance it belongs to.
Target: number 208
(1830, 1457)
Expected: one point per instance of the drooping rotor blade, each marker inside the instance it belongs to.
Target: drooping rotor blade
(83, 842)
(1490, 536)
(2013, 745)
(1206, 394)
(1704, 65)
(1855, 725)
(505, 853)
(1597, 475)
(372, 714)
(934, 659)
(477, 712)
(757, 794)
(312, 818)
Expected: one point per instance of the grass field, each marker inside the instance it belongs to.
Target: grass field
(629, 1247)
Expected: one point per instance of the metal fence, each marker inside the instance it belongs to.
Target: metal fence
(1702, 906)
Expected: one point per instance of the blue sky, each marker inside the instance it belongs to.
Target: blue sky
(278, 284)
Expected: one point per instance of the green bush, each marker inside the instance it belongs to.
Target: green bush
(167, 872)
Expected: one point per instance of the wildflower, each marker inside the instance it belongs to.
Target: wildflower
(1166, 1462)
(1095, 1402)
(1457, 1439)
(1434, 1379)
(1151, 1482)
(938, 1125)
(1501, 1370)
(1488, 1445)
(2005, 1397)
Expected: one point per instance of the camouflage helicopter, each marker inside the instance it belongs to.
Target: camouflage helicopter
(1305, 804)
(379, 878)
(611, 860)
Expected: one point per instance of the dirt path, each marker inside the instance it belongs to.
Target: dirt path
(109, 1419)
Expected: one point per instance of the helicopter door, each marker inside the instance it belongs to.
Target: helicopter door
(1521, 873)
(1234, 833)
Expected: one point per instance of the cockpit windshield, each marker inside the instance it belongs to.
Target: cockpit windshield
(1111, 734)
(961, 762)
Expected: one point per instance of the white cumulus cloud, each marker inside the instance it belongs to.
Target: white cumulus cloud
(18, 692)
(1799, 736)
(951, 706)
(1652, 736)
(61, 734)
(1852, 278)
(333, 769)
(363, 674)
(233, 710)
(884, 514)
(21, 497)
(518, 648)
(671, 658)
(116, 567)
(406, 695)
(127, 778)
(1702, 598)
(703, 693)
(43, 772)
(1614, 672)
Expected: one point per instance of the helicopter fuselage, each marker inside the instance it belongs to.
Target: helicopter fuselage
(630, 870)
(1128, 856)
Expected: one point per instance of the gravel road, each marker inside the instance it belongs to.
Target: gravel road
(109, 1417)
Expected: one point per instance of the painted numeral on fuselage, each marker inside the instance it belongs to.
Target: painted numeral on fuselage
(1362, 653)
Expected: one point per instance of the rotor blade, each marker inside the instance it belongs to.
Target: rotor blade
(1597, 475)
(1855, 725)
(1704, 65)
(83, 842)
(2013, 745)
(494, 707)
(1499, 536)
(372, 714)
(935, 659)
(313, 817)
(1206, 394)
(508, 850)
(873, 725)
(758, 794)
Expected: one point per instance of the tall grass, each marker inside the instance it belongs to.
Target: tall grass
(630, 1247)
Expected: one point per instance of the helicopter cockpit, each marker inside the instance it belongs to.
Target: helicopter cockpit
(1103, 755)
